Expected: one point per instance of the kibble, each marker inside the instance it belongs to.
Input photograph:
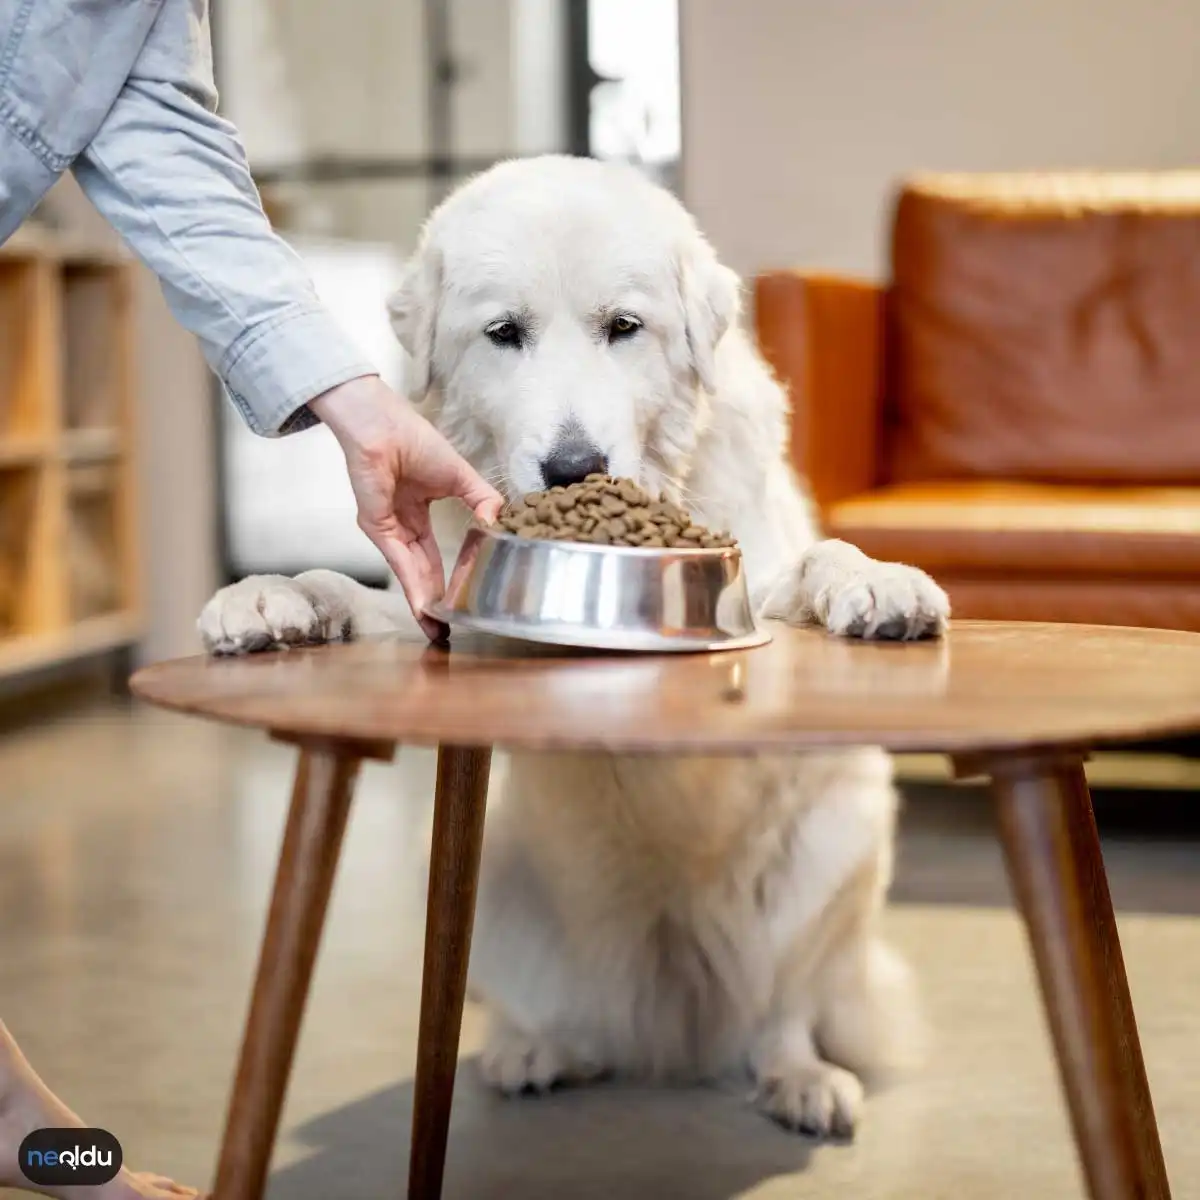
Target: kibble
(607, 512)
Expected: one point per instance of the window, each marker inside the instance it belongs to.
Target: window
(633, 46)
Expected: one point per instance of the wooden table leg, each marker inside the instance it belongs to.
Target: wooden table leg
(311, 844)
(1054, 860)
(459, 805)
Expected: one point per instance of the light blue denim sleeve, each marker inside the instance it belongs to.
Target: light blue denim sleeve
(172, 178)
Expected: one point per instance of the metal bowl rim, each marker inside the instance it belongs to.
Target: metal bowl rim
(592, 547)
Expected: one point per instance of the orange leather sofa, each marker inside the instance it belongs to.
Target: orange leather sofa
(1018, 409)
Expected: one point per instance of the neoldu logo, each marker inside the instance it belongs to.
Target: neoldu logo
(79, 1157)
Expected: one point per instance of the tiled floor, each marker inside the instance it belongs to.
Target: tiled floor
(135, 859)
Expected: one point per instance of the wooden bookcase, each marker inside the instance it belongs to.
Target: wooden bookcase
(69, 577)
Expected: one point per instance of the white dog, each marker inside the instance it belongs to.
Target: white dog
(646, 915)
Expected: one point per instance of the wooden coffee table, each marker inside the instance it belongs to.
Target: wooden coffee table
(1018, 704)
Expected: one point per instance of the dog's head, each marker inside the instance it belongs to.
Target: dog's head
(561, 317)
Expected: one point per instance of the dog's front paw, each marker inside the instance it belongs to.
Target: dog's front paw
(888, 602)
(513, 1062)
(837, 586)
(816, 1098)
(268, 612)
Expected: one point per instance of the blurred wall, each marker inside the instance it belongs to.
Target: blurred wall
(178, 498)
(799, 116)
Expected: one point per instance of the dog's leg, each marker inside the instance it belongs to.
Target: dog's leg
(523, 971)
(267, 612)
(796, 1086)
(844, 1009)
(839, 587)
(857, 1021)
(869, 1017)
(800, 1090)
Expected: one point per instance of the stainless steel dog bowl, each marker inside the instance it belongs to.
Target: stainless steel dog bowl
(600, 597)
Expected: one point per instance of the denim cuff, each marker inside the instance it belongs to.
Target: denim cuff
(25, 179)
(274, 369)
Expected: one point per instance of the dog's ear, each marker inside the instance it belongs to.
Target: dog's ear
(413, 309)
(711, 295)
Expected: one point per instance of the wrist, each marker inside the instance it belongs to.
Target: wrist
(359, 411)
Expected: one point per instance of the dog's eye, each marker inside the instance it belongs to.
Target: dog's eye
(505, 333)
(622, 327)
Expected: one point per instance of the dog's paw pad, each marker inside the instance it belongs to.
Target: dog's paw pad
(819, 1100)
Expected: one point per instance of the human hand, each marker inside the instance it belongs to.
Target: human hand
(398, 465)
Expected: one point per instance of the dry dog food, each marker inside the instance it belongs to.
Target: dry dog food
(607, 512)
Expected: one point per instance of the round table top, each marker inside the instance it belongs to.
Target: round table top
(985, 686)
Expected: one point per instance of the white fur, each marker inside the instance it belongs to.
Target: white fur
(648, 915)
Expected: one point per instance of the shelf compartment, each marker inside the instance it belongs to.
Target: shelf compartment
(95, 558)
(90, 445)
(18, 528)
(26, 330)
(94, 359)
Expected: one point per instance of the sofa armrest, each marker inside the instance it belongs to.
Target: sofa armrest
(824, 339)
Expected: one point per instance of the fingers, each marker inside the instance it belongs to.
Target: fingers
(435, 573)
(428, 547)
(399, 558)
(421, 580)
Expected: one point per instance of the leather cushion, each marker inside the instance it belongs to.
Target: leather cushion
(1154, 605)
(1045, 328)
(1055, 531)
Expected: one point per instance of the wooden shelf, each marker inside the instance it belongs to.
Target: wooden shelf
(90, 445)
(33, 652)
(20, 451)
(33, 242)
(69, 577)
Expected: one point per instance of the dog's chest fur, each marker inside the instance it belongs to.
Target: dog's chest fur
(682, 882)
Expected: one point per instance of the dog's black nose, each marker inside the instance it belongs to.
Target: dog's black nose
(572, 462)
